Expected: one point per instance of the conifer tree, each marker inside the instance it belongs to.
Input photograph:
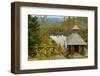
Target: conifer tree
(33, 34)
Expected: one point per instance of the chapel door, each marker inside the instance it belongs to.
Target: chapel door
(76, 48)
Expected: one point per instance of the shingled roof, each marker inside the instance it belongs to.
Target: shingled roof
(75, 38)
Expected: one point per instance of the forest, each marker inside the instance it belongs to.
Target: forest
(40, 28)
